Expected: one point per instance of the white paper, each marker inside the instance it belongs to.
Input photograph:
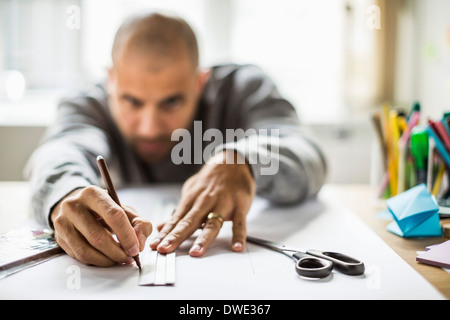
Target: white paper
(256, 273)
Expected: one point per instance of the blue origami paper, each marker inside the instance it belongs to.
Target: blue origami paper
(415, 212)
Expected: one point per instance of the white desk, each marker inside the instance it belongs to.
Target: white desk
(256, 273)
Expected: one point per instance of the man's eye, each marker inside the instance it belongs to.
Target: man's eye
(133, 102)
(172, 103)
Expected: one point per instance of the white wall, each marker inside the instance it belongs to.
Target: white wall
(346, 147)
(423, 61)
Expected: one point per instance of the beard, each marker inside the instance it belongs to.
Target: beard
(152, 150)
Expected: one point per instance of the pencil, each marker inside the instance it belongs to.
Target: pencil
(376, 119)
(437, 183)
(101, 163)
(391, 164)
(393, 142)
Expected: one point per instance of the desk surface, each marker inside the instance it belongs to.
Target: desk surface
(359, 198)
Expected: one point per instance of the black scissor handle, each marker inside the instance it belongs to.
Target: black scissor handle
(345, 264)
(312, 267)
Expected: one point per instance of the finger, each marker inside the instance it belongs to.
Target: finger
(143, 228)
(88, 255)
(160, 226)
(209, 232)
(182, 230)
(93, 231)
(188, 224)
(114, 215)
(164, 229)
(85, 258)
(240, 223)
(212, 226)
(239, 231)
(74, 244)
(60, 241)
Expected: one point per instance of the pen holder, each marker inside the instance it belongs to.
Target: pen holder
(412, 153)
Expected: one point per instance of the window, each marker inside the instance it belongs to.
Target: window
(38, 44)
(59, 44)
(300, 45)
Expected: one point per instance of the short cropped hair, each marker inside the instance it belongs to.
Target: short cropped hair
(156, 34)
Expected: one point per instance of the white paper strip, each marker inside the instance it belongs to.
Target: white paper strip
(170, 268)
(157, 269)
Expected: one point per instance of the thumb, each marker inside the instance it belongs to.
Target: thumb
(142, 227)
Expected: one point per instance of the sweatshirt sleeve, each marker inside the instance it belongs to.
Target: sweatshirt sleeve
(287, 165)
(65, 158)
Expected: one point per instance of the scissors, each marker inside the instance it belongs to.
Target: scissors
(315, 264)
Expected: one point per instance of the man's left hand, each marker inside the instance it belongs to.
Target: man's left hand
(224, 187)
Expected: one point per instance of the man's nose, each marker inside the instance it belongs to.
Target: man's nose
(150, 123)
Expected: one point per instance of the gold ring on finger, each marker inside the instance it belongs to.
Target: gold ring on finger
(213, 215)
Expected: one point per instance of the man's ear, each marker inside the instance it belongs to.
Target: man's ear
(111, 78)
(202, 79)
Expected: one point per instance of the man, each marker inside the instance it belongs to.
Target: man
(154, 89)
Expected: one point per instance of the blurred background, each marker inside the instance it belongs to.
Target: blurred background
(335, 60)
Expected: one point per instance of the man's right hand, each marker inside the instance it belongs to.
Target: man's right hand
(86, 221)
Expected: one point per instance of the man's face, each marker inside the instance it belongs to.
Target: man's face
(150, 98)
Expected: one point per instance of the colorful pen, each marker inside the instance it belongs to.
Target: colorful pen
(419, 150)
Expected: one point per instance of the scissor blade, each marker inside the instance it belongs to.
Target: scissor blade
(269, 244)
